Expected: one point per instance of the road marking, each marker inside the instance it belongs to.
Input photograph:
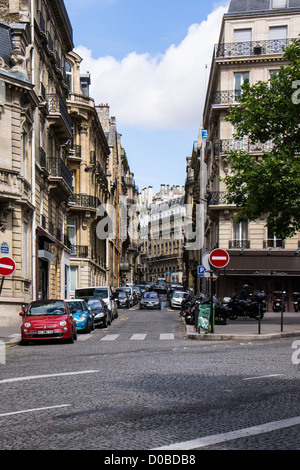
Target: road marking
(33, 409)
(85, 337)
(164, 336)
(264, 376)
(138, 337)
(229, 436)
(110, 338)
(34, 377)
(7, 266)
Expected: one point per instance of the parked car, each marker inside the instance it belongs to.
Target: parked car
(177, 298)
(99, 310)
(129, 290)
(47, 319)
(172, 287)
(150, 300)
(160, 287)
(104, 293)
(138, 292)
(123, 299)
(83, 316)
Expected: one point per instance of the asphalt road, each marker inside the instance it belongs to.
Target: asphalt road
(141, 384)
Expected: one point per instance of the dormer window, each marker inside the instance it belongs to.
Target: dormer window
(279, 4)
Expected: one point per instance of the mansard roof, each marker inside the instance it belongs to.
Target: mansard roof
(243, 6)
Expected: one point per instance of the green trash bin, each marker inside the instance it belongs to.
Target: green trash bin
(204, 317)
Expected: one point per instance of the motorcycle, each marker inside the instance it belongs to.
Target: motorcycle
(296, 301)
(278, 302)
(254, 307)
(222, 311)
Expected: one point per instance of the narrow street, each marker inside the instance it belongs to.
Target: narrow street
(141, 385)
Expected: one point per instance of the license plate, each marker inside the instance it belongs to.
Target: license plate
(45, 332)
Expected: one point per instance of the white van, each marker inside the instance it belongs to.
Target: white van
(103, 292)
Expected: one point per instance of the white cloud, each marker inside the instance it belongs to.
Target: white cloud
(161, 92)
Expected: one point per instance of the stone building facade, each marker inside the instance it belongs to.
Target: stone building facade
(161, 221)
(250, 47)
(57, 167)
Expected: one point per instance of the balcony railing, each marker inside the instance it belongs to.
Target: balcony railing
(274, 243)
(84, 201)
(225, 97)
(56, 106)
(251, 48)
(217, 198)
(79, 251)
(74, 151)
(57, 169)
(226, 145)
(239, 244)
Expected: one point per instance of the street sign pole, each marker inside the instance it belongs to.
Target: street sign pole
(1, 286)
(218, 259)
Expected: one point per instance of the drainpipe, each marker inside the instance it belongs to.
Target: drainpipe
(33, 155)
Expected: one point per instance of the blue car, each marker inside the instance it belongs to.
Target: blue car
(82, 315)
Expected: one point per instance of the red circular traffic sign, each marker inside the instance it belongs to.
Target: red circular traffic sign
(219, 258)
(7, 266)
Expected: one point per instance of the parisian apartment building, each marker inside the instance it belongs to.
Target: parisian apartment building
(252, 37)
(161, 220)
(61, 160)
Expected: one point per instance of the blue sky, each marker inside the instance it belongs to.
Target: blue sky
(149, 60)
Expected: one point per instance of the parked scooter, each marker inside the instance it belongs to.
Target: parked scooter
(296, 301)
(279, 301)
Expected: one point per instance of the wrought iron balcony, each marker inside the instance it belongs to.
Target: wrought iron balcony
(79, 251)
(217, 198)
(225, 97)
(58, 115)
(274, 243)
(60, 177)
(240, 244)
(226, 145)
(251, 48)
(84, 201)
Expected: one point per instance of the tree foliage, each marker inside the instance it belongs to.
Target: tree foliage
(269, 113)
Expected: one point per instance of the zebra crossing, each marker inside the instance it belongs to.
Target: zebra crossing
(111, 337)
(138, 337)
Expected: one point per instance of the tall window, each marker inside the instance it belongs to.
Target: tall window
(239, 79)
(278, 36)
(242, 40)
(25, 252)
(71, 231)
(25, 154)
(240, 235)
(69, 76)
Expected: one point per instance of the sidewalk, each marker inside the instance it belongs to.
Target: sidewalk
(248, 329)
(236, 330)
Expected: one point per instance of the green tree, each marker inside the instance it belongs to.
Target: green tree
(268, 115)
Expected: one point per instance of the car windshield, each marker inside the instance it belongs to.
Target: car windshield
(178, 294)
(94, 291)
(47, 308)
(75, 306)
(122, 294)
(150, 295)
(94, 303)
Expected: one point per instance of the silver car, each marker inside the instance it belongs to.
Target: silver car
(177, 299)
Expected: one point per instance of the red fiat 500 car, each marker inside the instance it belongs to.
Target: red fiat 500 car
(47, 319)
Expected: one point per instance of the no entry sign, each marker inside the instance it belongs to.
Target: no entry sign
(7, 266)
(219, 258)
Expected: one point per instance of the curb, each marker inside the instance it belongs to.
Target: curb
(191, 334)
